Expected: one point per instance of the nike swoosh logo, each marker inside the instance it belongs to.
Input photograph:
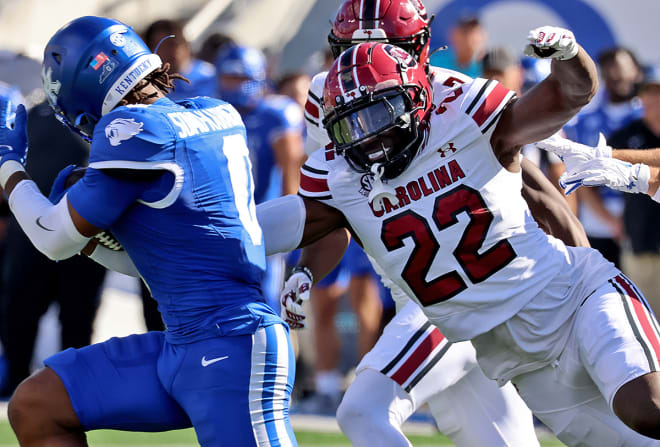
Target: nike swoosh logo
(206, 363)
(40, 225)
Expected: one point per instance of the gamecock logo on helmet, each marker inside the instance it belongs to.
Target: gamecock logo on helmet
(122, 129)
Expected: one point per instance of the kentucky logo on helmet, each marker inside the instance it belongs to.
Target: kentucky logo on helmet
(107, 69)
(51, 87)
(121, 129)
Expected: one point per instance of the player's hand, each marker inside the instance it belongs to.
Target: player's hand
(296, 290)
(551, 42)
(610, 172)
(13, 136)
(60, 187)
(575, 154)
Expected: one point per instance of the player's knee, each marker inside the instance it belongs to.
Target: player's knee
(352, 413)
(24, 405)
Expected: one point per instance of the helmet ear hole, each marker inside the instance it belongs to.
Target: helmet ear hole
(57, 57)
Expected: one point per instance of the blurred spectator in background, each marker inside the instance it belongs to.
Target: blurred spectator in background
(23, 73)
(601, 209)
(31, 281)
(211, 45)
(641, 213)
(274, 125)
(177, 52)
(295, 86)
(467, 43)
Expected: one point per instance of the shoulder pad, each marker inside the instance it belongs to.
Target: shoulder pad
(314, 176)
(483, 100)
(132, 133)
(316, 134)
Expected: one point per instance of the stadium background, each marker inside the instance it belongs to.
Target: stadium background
(293, 33)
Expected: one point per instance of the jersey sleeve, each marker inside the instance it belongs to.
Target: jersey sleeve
(317, 137)
(100, 198)
(484, 101)
(314, 179)
(131, 135)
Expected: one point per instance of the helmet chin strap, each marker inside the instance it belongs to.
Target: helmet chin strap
(379, 190)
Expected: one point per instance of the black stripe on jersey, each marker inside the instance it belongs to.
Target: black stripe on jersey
(314, 170)
(495, 118)
(436, 358)
(479, 95)
(369, 14)
(301, 194)
(311, 120)
(633, 324)
(406, 348)
(313, 96)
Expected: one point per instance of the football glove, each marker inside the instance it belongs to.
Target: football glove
(551, 42)
(60, 186)
(610, 172)
(296, 290)
(575, 154)
(13, 137)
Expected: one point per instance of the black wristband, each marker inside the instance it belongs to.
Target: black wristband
(304, 270)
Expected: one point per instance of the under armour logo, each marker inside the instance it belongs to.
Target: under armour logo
(445, 150)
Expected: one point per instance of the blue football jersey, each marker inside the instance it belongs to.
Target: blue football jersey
(191, 232)
(203, 81)
(273, 116)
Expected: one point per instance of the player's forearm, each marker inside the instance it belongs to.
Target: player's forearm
(322, 256)
(654, 183)
(649, 157)
(118, 261)
(577, 80)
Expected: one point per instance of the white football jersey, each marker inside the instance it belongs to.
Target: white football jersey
(460, 240)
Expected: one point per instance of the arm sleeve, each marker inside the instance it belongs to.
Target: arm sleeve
(101, 198)
(49, 227)
(118, 261)
(282, 221)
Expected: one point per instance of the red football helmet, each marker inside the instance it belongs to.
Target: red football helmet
(404, 23)
(375, 98)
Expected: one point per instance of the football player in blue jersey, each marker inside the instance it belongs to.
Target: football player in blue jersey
(172, 182)
(274, 126)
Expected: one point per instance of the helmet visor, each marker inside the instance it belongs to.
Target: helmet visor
(355, 126)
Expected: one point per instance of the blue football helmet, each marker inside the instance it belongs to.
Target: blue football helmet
(235, 60)
(89, 65)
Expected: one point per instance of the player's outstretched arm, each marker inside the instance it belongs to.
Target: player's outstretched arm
(549, 208)
(544, 109)
(316, 261)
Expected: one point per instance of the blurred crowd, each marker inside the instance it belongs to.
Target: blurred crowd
(350, 307)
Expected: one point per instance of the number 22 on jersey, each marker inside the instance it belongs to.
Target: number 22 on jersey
(477, 266)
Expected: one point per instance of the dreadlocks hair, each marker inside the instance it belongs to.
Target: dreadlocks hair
(161, 78)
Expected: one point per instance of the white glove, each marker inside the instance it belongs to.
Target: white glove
(616, 174)
(296, 290)
(575, 154)
(551, 42)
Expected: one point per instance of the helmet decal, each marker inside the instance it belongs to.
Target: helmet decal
(51, 87)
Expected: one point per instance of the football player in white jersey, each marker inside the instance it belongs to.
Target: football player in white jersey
(413, 363)
(428, 180)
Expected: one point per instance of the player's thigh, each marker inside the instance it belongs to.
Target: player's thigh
(415, 355)
(476, 411)
(235, 389)
(115, 384)
(564, 397)
(617, 337)
(374, 400)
